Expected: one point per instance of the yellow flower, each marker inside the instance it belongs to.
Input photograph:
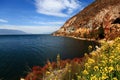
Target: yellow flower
(112, 57)
(90, 46)
(106, 69)
(47, 73)
(78, 77)
(103, 62)
(85, 72)
(115, 78)
(96, 68)
(93, 78)
(110, 69)
(104, 76)
(110, 60)
(87, 65)
(93, 54)
(91, 61)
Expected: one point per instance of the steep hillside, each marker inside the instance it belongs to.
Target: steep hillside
(101, 19)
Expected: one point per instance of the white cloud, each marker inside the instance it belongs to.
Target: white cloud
(3, 20)
(31, 29)
(61, 8)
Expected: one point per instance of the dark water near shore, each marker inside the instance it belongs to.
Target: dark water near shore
(18, 52)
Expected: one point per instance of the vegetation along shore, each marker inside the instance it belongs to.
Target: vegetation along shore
(101, 64)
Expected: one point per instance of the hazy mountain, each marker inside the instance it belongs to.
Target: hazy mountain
(101, 19)
(10, 32)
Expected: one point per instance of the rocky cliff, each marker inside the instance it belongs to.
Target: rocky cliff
(101, 19)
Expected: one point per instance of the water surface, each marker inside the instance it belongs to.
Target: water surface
(18, 52)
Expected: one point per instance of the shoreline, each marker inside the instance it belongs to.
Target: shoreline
(88, 39)
(82, 38)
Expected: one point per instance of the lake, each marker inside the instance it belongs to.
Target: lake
(18, 53)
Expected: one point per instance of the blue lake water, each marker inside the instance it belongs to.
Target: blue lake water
(19, 52)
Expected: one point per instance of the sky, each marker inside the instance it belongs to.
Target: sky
(38, 16)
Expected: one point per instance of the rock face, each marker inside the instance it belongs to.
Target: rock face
(101, 19)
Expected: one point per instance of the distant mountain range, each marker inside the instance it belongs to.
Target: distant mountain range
(11, 32)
